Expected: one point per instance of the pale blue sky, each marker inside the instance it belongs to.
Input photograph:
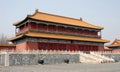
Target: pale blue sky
(105, 13)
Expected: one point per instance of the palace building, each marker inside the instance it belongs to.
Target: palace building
(115, 45)
(42, 31)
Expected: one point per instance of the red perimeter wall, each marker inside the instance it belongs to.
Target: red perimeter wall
(57, 46)
(7, 48)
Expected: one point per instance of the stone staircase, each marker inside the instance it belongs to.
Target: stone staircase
(104, 58)
(93, 57)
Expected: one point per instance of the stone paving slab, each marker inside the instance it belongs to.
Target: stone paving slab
(112, 67)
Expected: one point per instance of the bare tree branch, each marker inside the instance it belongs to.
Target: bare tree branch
(3, 39)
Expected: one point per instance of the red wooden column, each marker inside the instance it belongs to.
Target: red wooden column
(29, 25)
(50, 46)
(76, 47)
(82, 47)
(47, 28)
(86, 47)
(37, 27)
(57, 29)
(56, 46)
(90, 48)
(95, 48)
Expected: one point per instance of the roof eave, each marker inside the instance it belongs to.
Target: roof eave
(19, 22)
(13, 38)
(113, 46)
(7, 45)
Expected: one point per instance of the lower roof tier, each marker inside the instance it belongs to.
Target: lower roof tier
(57, 36)
(112, 46)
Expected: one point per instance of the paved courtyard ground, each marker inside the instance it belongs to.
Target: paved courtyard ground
(112, 67)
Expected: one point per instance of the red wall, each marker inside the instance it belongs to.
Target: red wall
(100, 48)
(71, 47)
(32, 45)
(116, 50)
(27, 46)
(57, 46)
(21, 46)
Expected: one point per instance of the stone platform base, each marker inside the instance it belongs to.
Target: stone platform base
(35, 59)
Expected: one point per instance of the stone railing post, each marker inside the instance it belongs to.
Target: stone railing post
(6, 58)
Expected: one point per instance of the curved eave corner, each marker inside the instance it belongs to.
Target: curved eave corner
(28, 16)
(19, 22)
(13, 38)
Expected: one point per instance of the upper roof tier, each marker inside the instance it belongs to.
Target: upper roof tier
(59, 19)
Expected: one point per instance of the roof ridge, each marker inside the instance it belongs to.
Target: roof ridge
(69, 18)
(36, 11)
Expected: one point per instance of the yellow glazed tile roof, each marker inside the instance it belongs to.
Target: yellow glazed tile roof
(60, 19)
(44, 35)
(115, 43)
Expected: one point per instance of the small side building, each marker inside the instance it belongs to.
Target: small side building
(106, 49)
(115, 45)
(7, 47)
